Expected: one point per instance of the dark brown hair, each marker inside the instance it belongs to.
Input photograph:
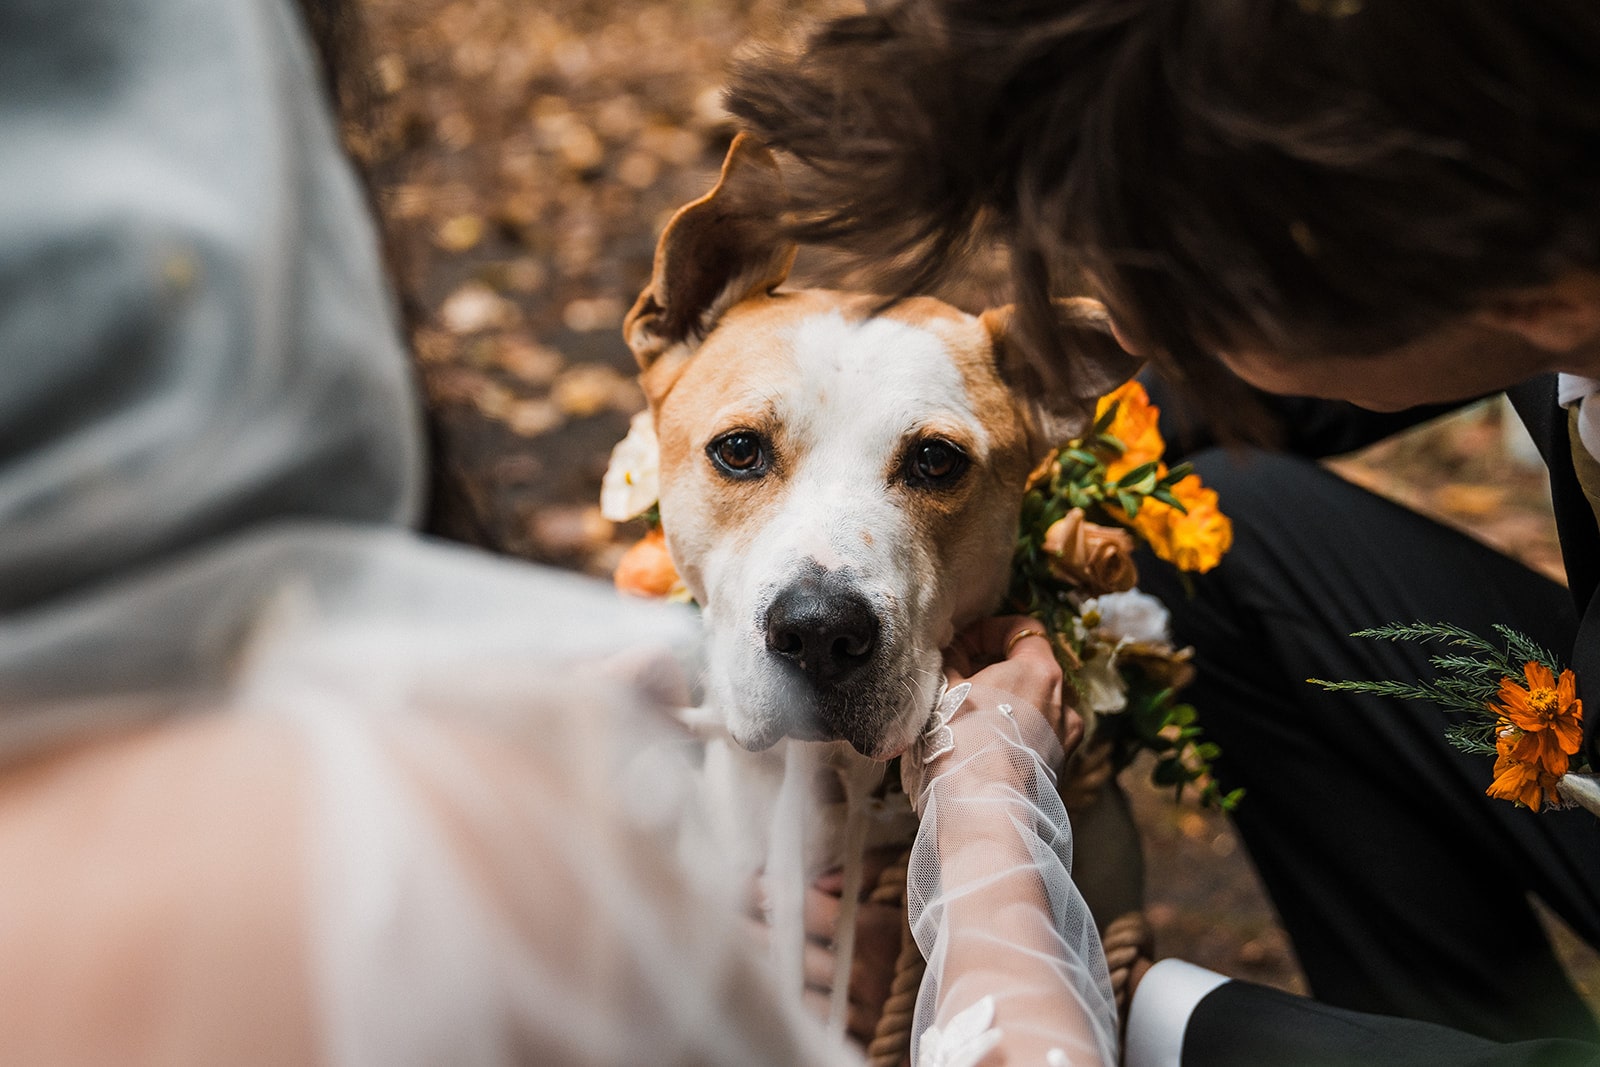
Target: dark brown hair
(1313, 175)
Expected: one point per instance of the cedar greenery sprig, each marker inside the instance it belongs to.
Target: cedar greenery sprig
(1468, 680)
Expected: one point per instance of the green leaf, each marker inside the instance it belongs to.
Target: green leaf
(1142, 479)
(1078, 455)
(1163, 494)
(1107, 417)
(1178, 473)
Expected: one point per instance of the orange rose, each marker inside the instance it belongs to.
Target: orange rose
(1134, 425)
(646, 569)
(1095, 559)
(1194, 541)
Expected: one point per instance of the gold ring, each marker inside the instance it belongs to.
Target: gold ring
(1019, 635)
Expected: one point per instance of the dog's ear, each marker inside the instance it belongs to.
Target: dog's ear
(715, 252)
(1062, 400)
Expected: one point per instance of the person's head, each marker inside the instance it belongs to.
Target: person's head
(1303, 185)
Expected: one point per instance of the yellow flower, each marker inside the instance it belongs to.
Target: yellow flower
(1194, 540)
(1134, 425)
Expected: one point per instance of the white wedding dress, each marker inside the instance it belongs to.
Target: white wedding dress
(209, 458)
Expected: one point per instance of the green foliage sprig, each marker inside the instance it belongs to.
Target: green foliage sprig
(1468, 679)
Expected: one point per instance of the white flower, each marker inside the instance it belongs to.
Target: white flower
(633, 480)
(1131, 616)
(964, 1041)
(1102, 685)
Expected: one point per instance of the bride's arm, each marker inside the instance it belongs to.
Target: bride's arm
(1016, 974)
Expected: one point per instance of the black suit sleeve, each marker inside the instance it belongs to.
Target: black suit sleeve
(1240, 1023)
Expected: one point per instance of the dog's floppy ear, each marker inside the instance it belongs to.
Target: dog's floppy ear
(1063, 399)
(715, 252)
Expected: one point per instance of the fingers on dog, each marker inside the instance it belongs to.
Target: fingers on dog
(1000, 638)
(1026, 639)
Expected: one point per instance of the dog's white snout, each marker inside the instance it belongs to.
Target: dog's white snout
(821, 624)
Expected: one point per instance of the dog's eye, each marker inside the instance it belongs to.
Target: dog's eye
(933, 464)
(742, 454)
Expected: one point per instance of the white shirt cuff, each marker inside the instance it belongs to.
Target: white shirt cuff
(1159, 1014)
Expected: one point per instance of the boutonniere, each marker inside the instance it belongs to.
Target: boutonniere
(1513, 701)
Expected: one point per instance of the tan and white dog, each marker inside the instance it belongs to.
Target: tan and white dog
(840, 483)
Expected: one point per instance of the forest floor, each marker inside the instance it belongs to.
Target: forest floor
(528, 155)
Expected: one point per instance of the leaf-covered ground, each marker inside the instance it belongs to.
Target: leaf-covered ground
(528, 154)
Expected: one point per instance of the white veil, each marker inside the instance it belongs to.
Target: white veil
(209, 455)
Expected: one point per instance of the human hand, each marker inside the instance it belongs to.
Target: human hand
(1011, 655)
(1004, 676)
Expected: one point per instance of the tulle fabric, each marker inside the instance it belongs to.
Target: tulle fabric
(505, 859)
(1014, 960)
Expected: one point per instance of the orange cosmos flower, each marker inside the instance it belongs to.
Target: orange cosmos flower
(1524, 772)
(1543, 730)
(1134, 425)
(1194, 541)
(646, 569)
(1547, 705)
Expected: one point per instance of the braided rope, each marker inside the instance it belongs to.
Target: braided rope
(1127, 939)
(891, 1038)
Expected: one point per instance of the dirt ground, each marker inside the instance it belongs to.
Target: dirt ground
(527, 156)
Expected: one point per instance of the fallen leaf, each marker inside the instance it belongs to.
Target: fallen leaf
(593, 313)
(589, 389)
(530, 418)
(475, 307)
(459, 233)
(528, 360)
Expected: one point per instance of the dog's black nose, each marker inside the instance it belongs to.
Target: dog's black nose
(824, 626)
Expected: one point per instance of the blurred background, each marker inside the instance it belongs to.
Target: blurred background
(525, 158)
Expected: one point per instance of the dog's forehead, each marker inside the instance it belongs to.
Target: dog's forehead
(874, 372)
(823, 362)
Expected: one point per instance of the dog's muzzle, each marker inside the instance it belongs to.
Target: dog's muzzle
(823, 627)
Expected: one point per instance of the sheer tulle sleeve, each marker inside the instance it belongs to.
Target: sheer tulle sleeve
(1016, 974)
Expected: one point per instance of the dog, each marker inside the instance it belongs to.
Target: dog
(840, 480)
(840, 486)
